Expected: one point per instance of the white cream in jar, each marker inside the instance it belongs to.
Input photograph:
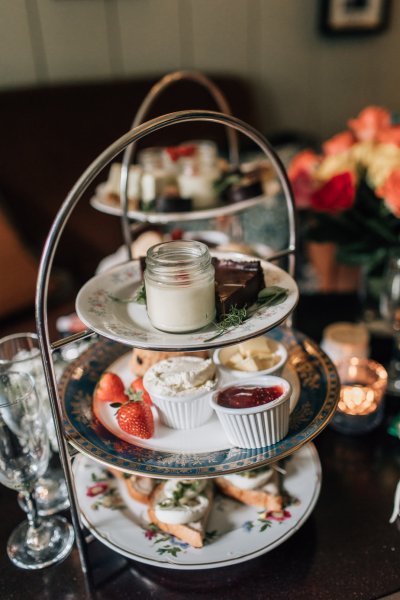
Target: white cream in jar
(180, 286)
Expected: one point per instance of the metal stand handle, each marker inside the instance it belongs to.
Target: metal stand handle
(143, 110)
(52, 242)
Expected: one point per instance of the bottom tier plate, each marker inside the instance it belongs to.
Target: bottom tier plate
(235, 532)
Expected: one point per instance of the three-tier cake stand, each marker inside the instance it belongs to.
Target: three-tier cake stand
(71, 399)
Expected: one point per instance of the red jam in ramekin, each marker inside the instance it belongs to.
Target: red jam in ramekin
(248, 396)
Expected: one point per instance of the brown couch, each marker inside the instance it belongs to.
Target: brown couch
(51, 134)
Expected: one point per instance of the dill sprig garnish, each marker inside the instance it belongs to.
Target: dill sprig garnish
(235, 316)
(268, 296)
(139, 296)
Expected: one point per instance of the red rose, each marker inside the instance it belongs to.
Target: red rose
(336, 195)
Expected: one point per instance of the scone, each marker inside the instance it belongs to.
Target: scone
(144, 359)
(181, 508)
(255, 487)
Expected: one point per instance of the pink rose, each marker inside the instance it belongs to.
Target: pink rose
(390, 192)
(303, 186)
(370, 120)
(305, 161)
(300, 174)
(336, 195)
(391, 135)
(339, 143)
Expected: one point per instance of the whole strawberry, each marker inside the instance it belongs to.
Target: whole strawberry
(110, 388)
(135, 417)
(137, 387)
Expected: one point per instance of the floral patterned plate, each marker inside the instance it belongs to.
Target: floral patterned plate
(99, 306)
(171, 453)
(235, 532)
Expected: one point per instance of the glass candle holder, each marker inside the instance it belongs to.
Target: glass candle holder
(363, 385)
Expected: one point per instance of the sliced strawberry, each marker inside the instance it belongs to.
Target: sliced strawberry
(135, 417)
(138, 388)
(110, 388)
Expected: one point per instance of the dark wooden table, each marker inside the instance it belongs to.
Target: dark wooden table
(346, 550)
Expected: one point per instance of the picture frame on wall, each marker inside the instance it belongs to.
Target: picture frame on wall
(340, 17)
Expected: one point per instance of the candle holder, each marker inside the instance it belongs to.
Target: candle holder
(361, 404)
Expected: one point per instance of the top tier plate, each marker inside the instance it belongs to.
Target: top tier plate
(127, 322)
(101, 202)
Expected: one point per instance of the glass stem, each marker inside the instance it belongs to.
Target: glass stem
(32, 511)
(37, 537)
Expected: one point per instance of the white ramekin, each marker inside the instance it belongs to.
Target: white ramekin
(182, 412)
(222, 355)
(259, 426)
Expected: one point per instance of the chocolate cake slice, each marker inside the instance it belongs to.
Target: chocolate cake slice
(237, 283)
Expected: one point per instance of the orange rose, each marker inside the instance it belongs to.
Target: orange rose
(304, 161)
(391, 135)
(390, 192)
(339, 143)
(370, 120)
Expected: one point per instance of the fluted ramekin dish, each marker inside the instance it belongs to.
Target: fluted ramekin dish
(222, 356)
(183, 410)
(259, 426)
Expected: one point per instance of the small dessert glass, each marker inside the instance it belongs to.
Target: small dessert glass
(258, 426)
(180, 286)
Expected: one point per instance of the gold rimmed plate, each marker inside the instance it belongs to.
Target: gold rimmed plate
(235, 532)
(103, 305)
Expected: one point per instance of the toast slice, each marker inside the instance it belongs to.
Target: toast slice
(139, 488)
(191, 533)
(267, 497)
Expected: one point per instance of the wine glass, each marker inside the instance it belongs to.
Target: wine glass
(390, 311)
(24, 456)
(20, 352)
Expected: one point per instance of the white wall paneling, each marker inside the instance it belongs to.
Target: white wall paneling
(300, 79)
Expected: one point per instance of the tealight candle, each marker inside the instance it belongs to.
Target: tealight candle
(363, 385)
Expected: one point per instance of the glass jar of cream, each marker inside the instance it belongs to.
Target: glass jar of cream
(180, 288)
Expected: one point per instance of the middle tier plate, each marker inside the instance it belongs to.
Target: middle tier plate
(128, 323)
(161, 457)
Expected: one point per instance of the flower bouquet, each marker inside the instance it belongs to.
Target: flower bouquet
(350, 191)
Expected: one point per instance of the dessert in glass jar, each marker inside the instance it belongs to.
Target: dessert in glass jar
(180, 286)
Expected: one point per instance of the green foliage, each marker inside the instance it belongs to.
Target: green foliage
(365, 234)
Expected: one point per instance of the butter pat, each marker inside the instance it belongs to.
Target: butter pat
(254, 355)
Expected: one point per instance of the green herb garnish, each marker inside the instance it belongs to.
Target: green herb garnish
(139, 297)
(234, 318)
(268, 296)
